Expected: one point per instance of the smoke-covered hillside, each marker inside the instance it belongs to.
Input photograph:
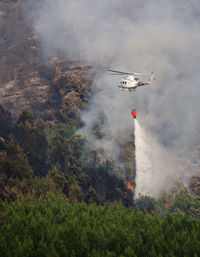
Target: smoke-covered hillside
(42, 99)
(55, 58)
(74, 164)
(135, 36)
(28, 78)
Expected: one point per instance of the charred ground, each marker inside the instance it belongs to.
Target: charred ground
(42, 100)
(51, 180)
(41, 103)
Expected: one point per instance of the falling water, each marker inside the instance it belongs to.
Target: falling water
(143, 161)
(152, 159)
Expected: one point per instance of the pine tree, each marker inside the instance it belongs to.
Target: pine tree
(5, 122)
(32, 139)
(14, 162)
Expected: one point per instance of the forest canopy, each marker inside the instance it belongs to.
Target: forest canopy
(56, 227)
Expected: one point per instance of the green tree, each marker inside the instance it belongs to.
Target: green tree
(92, 196)
(14, 162)
(33, 140)
(25, 116)
(5, 122)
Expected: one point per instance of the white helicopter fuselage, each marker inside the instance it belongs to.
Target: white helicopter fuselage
(129, 82)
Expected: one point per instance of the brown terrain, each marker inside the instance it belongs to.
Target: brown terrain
(53, 89)
(56, 89)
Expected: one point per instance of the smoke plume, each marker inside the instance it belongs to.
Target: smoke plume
(131, 35)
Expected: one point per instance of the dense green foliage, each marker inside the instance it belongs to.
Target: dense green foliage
(55, 227)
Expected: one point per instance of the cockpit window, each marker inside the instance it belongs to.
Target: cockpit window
(136, 79)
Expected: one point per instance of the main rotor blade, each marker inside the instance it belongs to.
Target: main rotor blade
(120, 72)
(137, 73)
(129, 73)
(117, 74)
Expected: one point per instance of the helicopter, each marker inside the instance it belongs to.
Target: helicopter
(131, 82)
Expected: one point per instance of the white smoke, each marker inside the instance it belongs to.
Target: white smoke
(131, 35)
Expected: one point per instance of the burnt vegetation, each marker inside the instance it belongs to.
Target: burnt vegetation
(32, 151)
(43, 100)
(58, 197)
(54, 88)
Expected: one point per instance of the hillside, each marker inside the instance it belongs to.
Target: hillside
(60, 194)
(27, 79)
(56, 90)
(41, 103)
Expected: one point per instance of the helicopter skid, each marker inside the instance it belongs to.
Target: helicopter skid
(127, 89)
